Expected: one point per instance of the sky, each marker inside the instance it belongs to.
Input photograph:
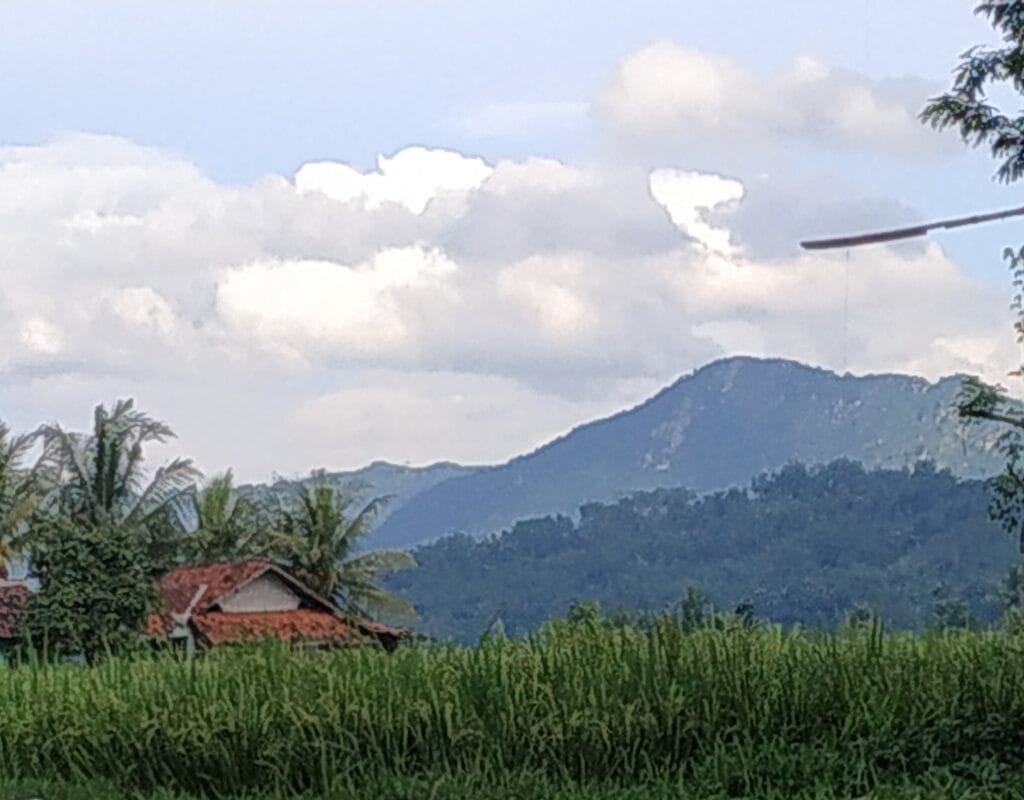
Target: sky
(318, 234)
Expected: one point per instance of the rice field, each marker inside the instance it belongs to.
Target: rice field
(602, 714)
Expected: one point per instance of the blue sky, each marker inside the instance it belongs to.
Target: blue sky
(163, 237)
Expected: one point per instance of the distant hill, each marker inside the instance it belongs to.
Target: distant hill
(379, 478)
(715, 428)
(803, 546)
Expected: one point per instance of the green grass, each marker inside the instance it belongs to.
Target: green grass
(592, 713)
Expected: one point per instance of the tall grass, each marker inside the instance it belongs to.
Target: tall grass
(741, 713)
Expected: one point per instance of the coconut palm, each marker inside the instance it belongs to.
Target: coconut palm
(100, 475)
(21, 489)
(319, 538)
(229, 527)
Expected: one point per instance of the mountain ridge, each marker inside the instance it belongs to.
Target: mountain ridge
(688, 435)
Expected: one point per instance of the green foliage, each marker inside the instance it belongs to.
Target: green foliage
(965, 108)
(980, 402)
(229, 526)
(94, 594)
(693, 609)
(21, 490)
(802, 545)
(100, 474)
(950, 610)
(585, 712)
(102, 534)
(100, 481)
(321, 533)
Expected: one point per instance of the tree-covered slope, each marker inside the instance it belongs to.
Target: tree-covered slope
(718, 427)
(803, 545)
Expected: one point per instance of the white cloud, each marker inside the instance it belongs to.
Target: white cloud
(416, 416)
(688, 196)
(144, 308)
(41, 336)
(313, 305)
(278, 328)
(665, 92)
(410, 178)
(548, 289)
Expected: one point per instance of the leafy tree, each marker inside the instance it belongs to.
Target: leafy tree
(100, 474)
(20, 491)
(965, 105)
(585, 613)
(94, 594)
(966, 108)
(320, 535)
(950, 611)
(101, 482)
(104, 533)
(693, 612)
(229, 527)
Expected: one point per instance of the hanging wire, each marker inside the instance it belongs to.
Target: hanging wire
(846, 310)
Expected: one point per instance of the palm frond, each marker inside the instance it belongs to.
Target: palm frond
(169, 483)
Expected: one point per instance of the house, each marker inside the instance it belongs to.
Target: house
(13, 597)
(218, 604)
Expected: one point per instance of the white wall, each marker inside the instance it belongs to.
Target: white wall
(266, 593)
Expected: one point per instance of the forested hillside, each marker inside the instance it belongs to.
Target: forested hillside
(803, 545)
(719, 427)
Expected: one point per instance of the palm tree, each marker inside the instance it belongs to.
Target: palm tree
(100, 480)
(229, 527)
(320, 538)
(21, 489)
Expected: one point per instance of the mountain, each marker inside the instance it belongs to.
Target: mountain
(401, 483)
(717, 427)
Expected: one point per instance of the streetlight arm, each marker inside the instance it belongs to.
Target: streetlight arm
(843, 242)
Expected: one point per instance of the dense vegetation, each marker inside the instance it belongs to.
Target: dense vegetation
(803, 545)
(97, 530)
(731, 712)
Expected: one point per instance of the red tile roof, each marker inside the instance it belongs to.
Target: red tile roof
(13, 597)
(320, 620)
(180, 586)
(385, 630)
(302, 624)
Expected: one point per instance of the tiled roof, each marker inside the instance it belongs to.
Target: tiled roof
(13, 597)
(179, 586)
(320, 622)
(302, 624)
(382, 629)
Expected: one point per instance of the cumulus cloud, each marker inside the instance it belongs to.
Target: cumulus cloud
(415, 311)
(411, 178)
(689, 196)
(668, 93)
(318, 305)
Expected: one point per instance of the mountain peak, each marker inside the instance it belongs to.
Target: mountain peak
(713, 428)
